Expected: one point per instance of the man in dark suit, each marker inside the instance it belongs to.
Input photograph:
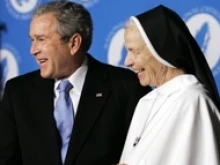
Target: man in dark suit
(102, 97)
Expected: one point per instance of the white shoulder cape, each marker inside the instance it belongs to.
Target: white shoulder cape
(180, 125)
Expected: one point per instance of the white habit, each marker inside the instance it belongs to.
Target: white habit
(177, 123)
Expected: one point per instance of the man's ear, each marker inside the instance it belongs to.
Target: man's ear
(75, 43)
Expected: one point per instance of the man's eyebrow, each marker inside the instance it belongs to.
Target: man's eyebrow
(37, 36)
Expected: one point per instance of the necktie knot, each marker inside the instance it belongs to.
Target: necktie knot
(64, 86)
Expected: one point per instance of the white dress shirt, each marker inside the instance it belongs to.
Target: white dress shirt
(77, 79)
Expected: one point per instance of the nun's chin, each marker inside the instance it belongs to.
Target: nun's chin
(143, 82)
(144, 85)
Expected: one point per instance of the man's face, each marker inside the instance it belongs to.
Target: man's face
(139, 58)
(52, 56)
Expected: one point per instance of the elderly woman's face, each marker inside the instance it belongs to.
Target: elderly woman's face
(140, 59)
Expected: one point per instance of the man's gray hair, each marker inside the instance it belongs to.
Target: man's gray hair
(72, 18)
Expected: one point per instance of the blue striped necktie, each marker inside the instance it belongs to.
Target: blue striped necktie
(64, 115)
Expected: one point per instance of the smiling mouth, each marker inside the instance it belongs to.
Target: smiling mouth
(42, 61)
(137, 71)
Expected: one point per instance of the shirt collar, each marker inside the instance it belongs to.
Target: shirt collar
(77, 79)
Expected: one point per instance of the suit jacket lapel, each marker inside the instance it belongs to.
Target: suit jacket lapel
(94, 94)
(42, 103)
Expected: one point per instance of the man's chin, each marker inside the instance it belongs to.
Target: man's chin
(45, 75)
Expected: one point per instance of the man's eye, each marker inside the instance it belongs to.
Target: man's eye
(41, 39)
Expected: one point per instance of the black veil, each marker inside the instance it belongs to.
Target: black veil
(170, 39)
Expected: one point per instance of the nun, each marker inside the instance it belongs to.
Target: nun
(178, 122)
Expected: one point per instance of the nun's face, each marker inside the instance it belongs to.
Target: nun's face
(140, 59)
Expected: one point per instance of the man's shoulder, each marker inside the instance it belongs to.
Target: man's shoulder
(102, 66)
(25, 77)
(117, 71)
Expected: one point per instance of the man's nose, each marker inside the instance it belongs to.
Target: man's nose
(34, 50)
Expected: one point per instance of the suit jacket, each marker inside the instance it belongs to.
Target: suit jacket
(28, 131)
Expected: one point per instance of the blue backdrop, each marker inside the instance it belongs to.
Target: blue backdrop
(201, 16)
